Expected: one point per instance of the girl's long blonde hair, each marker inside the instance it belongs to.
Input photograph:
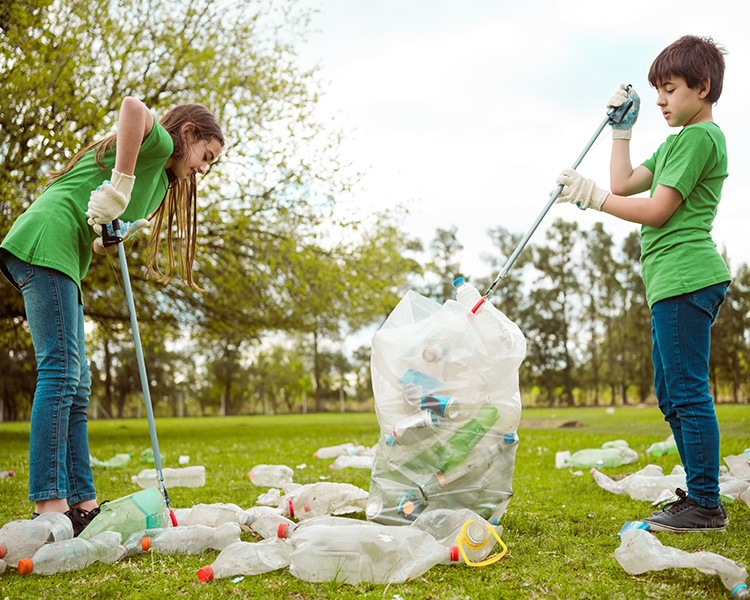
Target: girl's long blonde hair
(179, 206)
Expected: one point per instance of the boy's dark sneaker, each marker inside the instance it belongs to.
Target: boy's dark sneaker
(685, 515)
(81, 518)
(721, 506)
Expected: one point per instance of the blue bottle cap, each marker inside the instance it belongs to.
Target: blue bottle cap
(390, 440)
(458, 281)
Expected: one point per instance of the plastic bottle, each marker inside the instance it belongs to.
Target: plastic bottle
(342, 449)
(118, 461)
(6, 473)
(414, 428)
(248, 558)
(266, 520)
(648, 484)
(323, 498)
(145, 509)
(745, 497)
(466, 294)
(20, 539)
(352, 462)
(3, 566)
(189, 538)
(361, 551)
(74, 554)
(271, 475)
(601, 457)
(668, 446)
(640, 551)
(186, 477)
(211, 515)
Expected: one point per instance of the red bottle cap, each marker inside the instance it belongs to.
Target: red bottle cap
(146, 543)
(25, 566)
(282, 530)
(454, 553)
(205, 573)
(3, 551)
(173, 518)
(291, 508)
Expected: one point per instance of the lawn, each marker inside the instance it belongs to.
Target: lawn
(560, 527)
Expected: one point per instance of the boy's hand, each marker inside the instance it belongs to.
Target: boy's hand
(624, 129)
(110, 199)
(580, 191)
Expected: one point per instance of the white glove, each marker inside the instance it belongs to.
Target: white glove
(127, 229)
(110, 199)
(580, 191)
(624, 129)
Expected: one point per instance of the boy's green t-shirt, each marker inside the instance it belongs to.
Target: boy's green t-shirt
(53, 232)
(680, 256)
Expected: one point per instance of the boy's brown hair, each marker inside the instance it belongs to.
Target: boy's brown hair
(693, 58)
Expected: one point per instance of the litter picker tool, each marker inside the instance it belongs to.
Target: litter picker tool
(112, 235)
(614, 116)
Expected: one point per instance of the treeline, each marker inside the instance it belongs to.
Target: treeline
(579, 298)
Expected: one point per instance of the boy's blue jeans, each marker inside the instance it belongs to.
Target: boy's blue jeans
(681, 335)
(59, 465)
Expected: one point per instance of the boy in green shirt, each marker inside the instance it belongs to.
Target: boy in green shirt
(686, 278)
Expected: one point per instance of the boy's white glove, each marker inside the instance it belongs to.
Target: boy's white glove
(624, 129)
(110, 199)
(580, 191)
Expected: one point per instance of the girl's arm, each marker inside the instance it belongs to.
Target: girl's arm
(134, 124)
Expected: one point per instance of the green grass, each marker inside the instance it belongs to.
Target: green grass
(560, 527)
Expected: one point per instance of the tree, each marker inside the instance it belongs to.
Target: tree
(444, 264)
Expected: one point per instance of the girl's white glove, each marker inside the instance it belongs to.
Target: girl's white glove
(110, 199)
(580, 191)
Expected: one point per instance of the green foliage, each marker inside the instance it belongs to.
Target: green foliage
(560, 527)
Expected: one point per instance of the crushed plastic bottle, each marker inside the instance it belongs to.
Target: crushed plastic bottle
(413, 429)
(211, 515)
(248, 558)
(361, 551)
(647, 484)
(191, 477)
(597, 457)
(20, 539)
(145, 509)
(74, 554)
(739, 465)
(266, 520)
(641, 551)
(271, 475)
(323, 498)
(190, 539)
(668, 446)
(3, 566)
(6, 473)
(745, 497)
(352, 462)
(347, 448)
(118, 461)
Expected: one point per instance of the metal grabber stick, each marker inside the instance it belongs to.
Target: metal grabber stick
(110, 239)
(614, 116)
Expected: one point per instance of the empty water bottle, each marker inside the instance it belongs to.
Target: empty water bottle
(188, 538)
(352, 462)
(145, 509)
(248, 558)
(3, 566)
(466, 294)
(266, 520)
(185, 477)
(20, 539)
(6, 473)
(74, 554)
(599, 458)
(211, 515)
(668, 446)
(640, 551)
(414, 428)
(648, 483)
(271, 475)
(339, 450)
(323, 498)
(363, 551)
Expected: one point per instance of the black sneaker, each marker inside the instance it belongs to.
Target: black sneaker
(721, 506)
(81, 518)
(687, 515)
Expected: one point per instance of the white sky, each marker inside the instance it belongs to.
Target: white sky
(467, 110)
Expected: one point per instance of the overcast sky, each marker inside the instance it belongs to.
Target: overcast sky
(467, 110)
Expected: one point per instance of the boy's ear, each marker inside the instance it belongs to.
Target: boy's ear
(705, 88)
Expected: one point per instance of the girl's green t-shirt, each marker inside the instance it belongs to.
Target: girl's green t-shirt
(680, 256)
(53, 232)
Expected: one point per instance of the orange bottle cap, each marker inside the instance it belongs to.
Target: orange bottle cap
(25, 566)
(282, 530)
(205, 573)
(146, 543)
(3, 551)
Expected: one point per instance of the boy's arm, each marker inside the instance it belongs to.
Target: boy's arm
(623, 179)
(654, 211)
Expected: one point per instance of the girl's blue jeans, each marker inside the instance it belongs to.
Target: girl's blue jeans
(681, 335)
(59, 465)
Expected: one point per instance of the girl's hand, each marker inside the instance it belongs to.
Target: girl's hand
(110, 199)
